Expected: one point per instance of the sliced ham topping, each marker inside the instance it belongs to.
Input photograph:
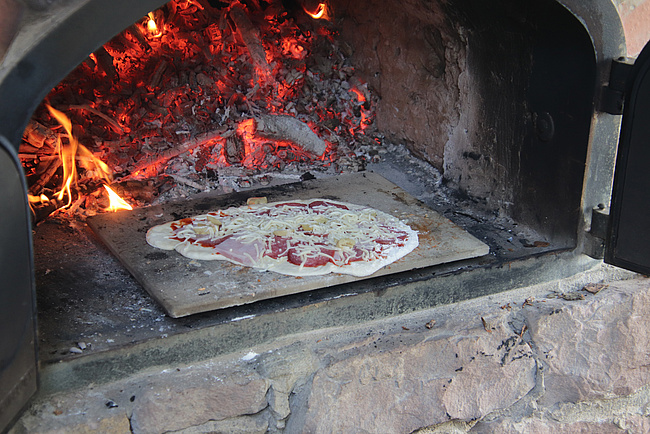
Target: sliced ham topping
(306, 234)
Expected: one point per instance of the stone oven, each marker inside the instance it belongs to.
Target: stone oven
(500, 117)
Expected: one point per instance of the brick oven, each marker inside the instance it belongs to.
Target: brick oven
(501, 118)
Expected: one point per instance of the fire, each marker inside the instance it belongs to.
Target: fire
(360, 97)
(38, 199)
(67, 154)
(183, 90)
(322, 12)
(152, 27)
(72, 153)
(116, 202)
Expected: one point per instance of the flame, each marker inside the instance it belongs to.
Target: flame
(238, 86)
(152, 27)
(116, 202)
(69, 154)
(38, 199)
(322, 12)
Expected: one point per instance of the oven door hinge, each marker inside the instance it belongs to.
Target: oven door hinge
(613, 94)
(595, 238)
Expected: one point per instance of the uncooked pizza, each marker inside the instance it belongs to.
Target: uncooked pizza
(296, 238)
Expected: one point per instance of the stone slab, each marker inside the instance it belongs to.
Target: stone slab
(388, 385)
(184, 287)
(577, 369)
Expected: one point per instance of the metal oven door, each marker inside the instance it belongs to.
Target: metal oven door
(628, 238)
(18, 369)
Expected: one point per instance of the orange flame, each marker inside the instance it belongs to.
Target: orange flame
(322, 12)
(116, 203)
(152, 27)
(38, 199)
(70, 154)
(67, 154)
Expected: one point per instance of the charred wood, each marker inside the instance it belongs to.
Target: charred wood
(284, 127)
(36, 134)
(162, 157)
(110, 121)
(234, 150)
(251, 38)
(48, 171)
(105, 63)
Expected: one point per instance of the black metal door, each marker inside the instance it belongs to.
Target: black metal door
(18, 373)
(628, 243)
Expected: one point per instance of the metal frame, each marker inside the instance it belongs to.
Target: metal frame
(18, 356)
(628, 240)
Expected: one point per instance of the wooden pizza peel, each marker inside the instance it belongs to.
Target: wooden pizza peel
(184, 286)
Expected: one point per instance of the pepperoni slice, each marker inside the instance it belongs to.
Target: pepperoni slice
(310, 261)
(319, 203)
(296, 204)
(277, 247)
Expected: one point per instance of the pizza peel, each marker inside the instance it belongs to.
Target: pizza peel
(184, 286)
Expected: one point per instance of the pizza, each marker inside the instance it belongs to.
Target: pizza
(296, 238)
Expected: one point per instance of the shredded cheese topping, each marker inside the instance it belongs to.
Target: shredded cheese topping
(339, 233)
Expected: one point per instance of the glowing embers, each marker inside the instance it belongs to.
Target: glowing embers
(191, 94)
(265, 153)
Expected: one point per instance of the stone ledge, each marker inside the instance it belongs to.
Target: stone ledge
(578, 366)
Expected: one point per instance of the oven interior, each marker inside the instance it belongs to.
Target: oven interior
(482, 112)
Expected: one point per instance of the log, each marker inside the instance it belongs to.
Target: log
(112, 123)
(37, 134)
(251, 38)
(234, 150)
(105, 62)
(200, 140)
(48, 172)
(136, 33)
(284, 127)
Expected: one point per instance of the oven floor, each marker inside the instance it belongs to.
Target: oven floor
(88, 302)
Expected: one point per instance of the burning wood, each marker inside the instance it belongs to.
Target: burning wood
(162, 157)
(105, 62)
(283, 127)
(191, 91)
(250, 36)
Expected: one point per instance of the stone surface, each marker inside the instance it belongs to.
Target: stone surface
(522, 361)
(596, 347)
(390, 386)
(635, 15)
(549, 426)
(74, 419)
(188, 401)
(433, 44)
(238, 425)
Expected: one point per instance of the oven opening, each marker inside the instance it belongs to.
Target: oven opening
(481, 113)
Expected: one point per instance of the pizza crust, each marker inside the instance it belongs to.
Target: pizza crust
(247, 246)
